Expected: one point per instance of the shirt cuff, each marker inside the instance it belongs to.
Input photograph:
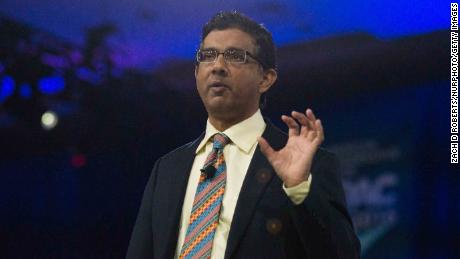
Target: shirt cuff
(298, 193)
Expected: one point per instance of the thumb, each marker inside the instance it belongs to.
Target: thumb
(265, 148)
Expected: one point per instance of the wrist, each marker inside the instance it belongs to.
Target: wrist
(294, 182)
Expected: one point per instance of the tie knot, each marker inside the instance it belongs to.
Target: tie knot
(220, 140)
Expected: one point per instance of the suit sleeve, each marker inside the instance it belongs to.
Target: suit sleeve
(324, 213)
(141, 243)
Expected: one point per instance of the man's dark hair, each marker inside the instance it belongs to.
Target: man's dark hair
(265, 48)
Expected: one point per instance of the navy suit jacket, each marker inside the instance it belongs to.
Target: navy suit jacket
(266, 223)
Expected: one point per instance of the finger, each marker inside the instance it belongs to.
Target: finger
(292, 125)
(311, 118)
(301, 118)
(304, 123)
(266, 149)
(310, 114)
(319, 125)
(311, 135)
(320, 132)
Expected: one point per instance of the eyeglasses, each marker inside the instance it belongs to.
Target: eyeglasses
(231, 55)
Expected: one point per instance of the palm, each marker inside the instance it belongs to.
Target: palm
(293, 162)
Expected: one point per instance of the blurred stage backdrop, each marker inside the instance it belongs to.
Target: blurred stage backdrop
(93, 92)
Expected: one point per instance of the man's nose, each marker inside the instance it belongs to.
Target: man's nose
(220, 65)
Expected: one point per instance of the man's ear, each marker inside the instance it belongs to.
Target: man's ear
(268, 79)
(196, 70)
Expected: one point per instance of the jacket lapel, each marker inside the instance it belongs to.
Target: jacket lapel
(259, 175)
(169, 197)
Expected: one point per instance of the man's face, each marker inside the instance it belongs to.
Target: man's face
(228, 90)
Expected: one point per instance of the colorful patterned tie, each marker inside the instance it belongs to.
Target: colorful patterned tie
(206, 206)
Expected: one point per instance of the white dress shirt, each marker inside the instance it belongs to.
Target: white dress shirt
(238, 155)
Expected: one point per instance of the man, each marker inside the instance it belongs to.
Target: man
(244, 189)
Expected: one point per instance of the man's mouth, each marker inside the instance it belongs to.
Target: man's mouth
(218, 85)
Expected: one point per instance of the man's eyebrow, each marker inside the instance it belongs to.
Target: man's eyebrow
(229, 48)
(209, 48)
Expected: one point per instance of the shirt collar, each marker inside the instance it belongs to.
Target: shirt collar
(243, 134)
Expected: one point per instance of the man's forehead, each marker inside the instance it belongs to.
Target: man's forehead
(229, 38)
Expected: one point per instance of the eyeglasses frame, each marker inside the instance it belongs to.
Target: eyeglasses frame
(247, 53)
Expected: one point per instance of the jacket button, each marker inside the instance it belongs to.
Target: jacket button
(274, 226)
(263, 175)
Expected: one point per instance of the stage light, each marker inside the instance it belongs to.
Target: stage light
(86, 74)
(78, 160)
(55, 61)
(7, 86)
(51, 85)
(25, 90)
(49, 120)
